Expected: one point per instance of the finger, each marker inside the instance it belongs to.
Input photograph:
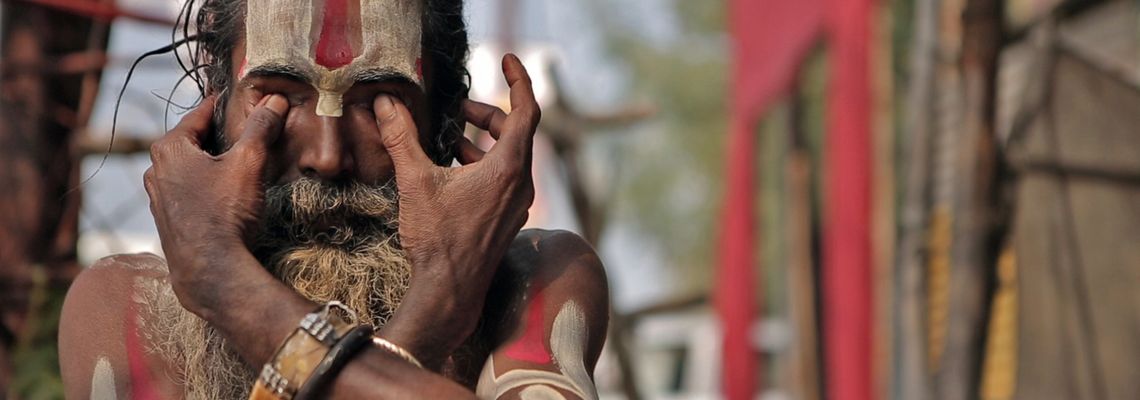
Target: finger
(398, 133)
(484, 116)
(522, 91)
(468, 151)
(520, 125)
(263, 125)
(195, 125)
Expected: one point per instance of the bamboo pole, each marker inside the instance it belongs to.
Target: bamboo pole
(883, 189)
(804, 356)
(976, 234)
(910, 376)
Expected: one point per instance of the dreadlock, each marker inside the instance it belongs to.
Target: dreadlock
(211, 28)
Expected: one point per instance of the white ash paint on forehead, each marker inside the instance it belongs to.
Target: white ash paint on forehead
(385, 35)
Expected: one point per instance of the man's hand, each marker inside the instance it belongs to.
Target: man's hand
(457, 223)
(205, 206)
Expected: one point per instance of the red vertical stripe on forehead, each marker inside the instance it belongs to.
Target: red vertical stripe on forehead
(333, 47)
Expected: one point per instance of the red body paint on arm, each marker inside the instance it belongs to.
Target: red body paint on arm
(141, 386)
(531, 346)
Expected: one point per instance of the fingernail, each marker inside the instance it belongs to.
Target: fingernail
(263, 100)
(277, 104)
(383, 102)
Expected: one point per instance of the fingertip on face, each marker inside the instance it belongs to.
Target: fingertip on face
(383, 104)
(276, 103)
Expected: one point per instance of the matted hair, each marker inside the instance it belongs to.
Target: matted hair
(211, 29)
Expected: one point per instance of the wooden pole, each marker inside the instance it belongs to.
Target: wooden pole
(911, 378)
(976, 234)
(801, 278)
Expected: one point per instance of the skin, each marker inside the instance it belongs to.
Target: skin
(459, 227)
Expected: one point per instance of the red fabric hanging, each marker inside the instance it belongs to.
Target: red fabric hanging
(847, 207)
(770, 38)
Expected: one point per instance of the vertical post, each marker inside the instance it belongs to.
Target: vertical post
(911, 377)
(977, 235)
(801, 279)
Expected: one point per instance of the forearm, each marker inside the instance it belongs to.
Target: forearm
(255, 312)
(378, 374)
(250, 308)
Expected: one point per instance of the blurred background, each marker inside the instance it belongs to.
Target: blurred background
(810, 199)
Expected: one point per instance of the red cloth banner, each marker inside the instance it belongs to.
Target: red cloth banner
(770, 38)
(846, 274)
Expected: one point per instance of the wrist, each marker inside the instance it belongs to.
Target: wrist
(248, 306)
(429, 326)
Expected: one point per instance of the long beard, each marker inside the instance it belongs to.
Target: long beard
(328, 243)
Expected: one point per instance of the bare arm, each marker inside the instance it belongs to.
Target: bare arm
(94, 329)
(552, 350)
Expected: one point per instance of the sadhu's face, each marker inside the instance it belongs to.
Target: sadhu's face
(330, 58)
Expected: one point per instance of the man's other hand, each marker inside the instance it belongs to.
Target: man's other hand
(205, 207)
(457, 223)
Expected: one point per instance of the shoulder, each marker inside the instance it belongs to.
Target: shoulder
(562, 265)
(555, 322)
(95, 324)
(561, 274)
(549, 256)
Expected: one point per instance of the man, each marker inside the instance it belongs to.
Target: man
(306, 176)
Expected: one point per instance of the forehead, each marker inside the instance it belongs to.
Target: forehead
(333, 43)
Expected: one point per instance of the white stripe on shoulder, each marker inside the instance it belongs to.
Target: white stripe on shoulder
(103, 381)
(540, 392)
(568, 344)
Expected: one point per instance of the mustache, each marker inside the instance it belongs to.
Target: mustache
(310, 211)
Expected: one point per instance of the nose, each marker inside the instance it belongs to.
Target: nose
(326, 156)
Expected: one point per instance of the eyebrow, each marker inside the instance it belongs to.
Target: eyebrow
(374, 75)
(279, 71)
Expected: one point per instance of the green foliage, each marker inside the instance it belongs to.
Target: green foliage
(674, 171)
(36, 355)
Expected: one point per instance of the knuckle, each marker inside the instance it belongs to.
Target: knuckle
(247, 152)
(536, 114)
(487, 119)
(148, 180)
(398, 136)
(263, 120)
(512, 172)
(157, 151)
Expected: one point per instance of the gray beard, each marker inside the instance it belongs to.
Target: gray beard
(327, 242)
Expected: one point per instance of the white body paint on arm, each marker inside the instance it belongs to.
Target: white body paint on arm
(568, 339)
(103, 381)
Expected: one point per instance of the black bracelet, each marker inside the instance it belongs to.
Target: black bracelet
(334, 360)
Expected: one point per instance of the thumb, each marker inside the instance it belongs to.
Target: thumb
(262, 127)
(399, 134)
